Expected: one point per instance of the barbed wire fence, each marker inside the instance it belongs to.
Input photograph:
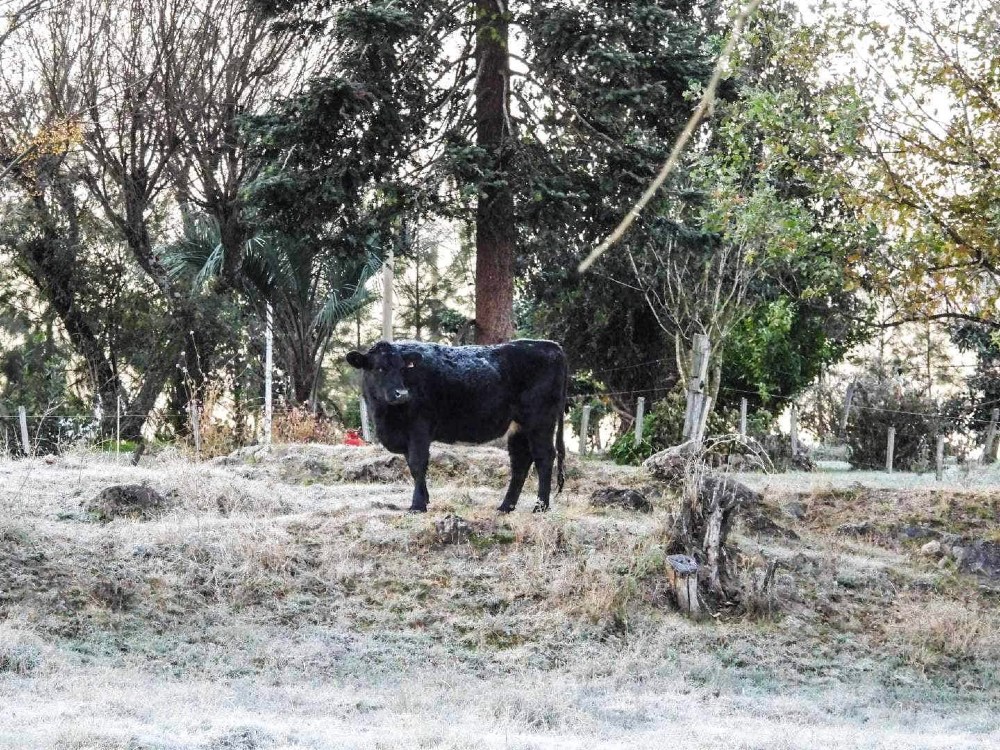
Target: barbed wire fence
(59, 426)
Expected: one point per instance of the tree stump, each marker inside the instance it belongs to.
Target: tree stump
(682, 575)
(709, 503)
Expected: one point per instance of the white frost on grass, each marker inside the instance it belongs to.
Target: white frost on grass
(250, 676)
(92, 707)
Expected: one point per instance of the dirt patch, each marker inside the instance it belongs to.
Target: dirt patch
(385, 468)
(333, 464)
(622, 498)
(133, 501)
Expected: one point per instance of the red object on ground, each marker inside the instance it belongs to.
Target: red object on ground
(352, 438)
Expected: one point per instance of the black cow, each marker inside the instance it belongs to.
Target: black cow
(418, 393)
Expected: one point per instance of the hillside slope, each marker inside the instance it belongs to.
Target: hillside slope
(278, 602)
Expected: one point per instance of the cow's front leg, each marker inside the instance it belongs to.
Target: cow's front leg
(418, 454)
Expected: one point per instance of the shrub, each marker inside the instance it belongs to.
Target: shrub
(299, 425)
(662, 428)
(918, 421)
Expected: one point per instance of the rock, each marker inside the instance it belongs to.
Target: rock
(917, 532)
(931, 549)
(857, 529)
(948, 539)
(127, 501)
(669, 465)
(795, 510)
(981, 557)
(612, 497)
(380, 468)
(729, 489)
(453, 529)
(758, 521)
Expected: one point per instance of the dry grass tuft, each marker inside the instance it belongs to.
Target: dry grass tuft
(20, 650)
(936, 633)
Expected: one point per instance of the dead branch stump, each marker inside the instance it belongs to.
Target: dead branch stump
(682, 575)
(709, 504)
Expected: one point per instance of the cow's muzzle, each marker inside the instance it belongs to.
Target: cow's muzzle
(398, 396)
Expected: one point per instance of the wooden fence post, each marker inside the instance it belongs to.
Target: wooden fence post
(696, 384)
(22, 417)
(195, 427)
(640, 412)
(743, 417)
(387, 280)
(706, 407)
(118, 426)
(268, 367)
(366, 430)
(939, 459)
(890, 447)
(990, 449)
(682, 575)
(584, 429)
(848, 397)
(793, 429)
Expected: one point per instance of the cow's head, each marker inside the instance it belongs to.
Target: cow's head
(383, 366)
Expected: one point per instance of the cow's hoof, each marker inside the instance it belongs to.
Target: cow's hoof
(414, 509)
(540, 508)
(504, 508)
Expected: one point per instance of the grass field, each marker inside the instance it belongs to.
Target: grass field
(280, 603)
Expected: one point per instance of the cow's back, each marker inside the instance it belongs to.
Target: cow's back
(474, 393)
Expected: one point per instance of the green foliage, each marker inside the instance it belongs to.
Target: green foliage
(929, 174)
(611, 84)
(918, 422)
(983, 384)
(760, 185)
(663, 427)
(311, 291)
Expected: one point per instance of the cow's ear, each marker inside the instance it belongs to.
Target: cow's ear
(412, 359)
(358, 360)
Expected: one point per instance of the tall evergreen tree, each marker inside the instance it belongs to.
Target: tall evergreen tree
(437, 77)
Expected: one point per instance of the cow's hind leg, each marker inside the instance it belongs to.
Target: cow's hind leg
(544, 454)
(520, 464)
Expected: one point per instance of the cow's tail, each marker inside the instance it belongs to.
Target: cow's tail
(560, 441)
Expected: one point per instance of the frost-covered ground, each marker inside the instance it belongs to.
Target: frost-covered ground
(276, 604)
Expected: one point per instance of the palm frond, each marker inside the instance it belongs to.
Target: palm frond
(197, 254)
(345, 299)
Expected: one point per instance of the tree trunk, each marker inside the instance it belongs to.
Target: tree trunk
(495, 231)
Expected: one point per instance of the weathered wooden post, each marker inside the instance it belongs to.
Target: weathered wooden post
(268, 367)
(584, 429)
(939, 459)
(706, 408)
(22, 417)
(696, 384)
(387, 279)
(640, 412)
(990, 449)
(889, 448)
(682, 575)
(366, 430)
(195, 427)
(743, 417)
(793, 429)
(848, 397)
